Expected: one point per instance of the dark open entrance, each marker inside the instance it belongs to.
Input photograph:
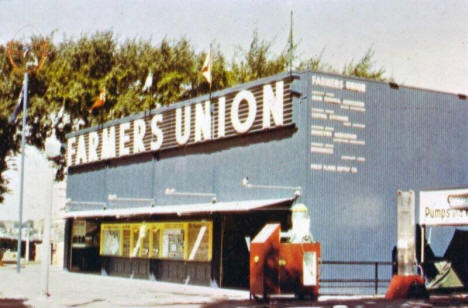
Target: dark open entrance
(83, 248)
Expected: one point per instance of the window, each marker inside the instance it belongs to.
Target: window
(155, 241)
(191, 241)
(199, 244)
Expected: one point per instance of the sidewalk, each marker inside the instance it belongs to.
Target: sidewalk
(91, 290)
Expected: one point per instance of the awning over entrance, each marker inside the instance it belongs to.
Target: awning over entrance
(185, 209)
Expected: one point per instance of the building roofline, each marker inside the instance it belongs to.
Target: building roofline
(294, 74)
(389, 83)
(190, 101)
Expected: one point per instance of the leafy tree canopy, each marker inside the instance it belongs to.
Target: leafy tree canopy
(77, 70)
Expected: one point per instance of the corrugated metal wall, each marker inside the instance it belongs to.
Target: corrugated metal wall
(413, 139)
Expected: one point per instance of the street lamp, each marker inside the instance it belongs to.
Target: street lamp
(25, 58)
(52, 149)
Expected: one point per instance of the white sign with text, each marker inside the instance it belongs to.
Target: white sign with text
(444, 207)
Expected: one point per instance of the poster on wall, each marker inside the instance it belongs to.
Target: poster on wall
(173, 244)
(444, 207)
(111, 242)
(79, 228)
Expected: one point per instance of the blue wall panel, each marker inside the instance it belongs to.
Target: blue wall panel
(131, 178)
(414, 139)
(87, 184)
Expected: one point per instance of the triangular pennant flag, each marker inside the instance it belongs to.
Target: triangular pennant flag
(58, 116)
(148, 82)
(207, 66)
(100, 101)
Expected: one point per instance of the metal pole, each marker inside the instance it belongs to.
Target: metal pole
(26, 253)
(376, 270)
(423, 242)
(46, 239)
(221, 269)
(23, 149)
(291, 45)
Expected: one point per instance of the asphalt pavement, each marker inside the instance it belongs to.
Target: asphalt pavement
(93, 290)
(68, 289)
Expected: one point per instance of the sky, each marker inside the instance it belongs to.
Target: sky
(418, 43)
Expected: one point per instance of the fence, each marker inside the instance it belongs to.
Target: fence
(360, 268)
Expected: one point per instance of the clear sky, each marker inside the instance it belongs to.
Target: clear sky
(418, 43)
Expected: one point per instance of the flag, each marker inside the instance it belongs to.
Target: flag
(18, 107)
(207, 65)
(61, 112)
(100, 101)
(148, 82)
(59, 116)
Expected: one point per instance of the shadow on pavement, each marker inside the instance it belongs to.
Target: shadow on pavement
(291, 302)
(10, 302)
(439, 302)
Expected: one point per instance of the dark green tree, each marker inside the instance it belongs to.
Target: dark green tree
(257, 62)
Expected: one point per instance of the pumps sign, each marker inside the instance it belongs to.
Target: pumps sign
(444, 207)
(258, 108)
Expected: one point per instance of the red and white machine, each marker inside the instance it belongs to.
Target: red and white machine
(288, 266)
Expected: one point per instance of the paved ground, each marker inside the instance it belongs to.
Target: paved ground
(89, 290)
(349, 302)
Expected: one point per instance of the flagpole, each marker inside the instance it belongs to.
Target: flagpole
(206, 72)
(21, 192)
(150, 103)
(291, 45)
(211, 71)
(101, 119)
(209, 95)
(150, 106)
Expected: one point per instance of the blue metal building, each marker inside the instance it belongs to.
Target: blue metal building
(211, 174)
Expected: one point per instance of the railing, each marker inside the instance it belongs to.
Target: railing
(374, 282)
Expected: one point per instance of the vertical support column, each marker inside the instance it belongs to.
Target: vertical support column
(376, 271)
(45, 258)
(400, 286)
(217, 256)
(26, 257)
(67, 245)
(223, 223)
(423, 241)
(154, 161)
(406, 233)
